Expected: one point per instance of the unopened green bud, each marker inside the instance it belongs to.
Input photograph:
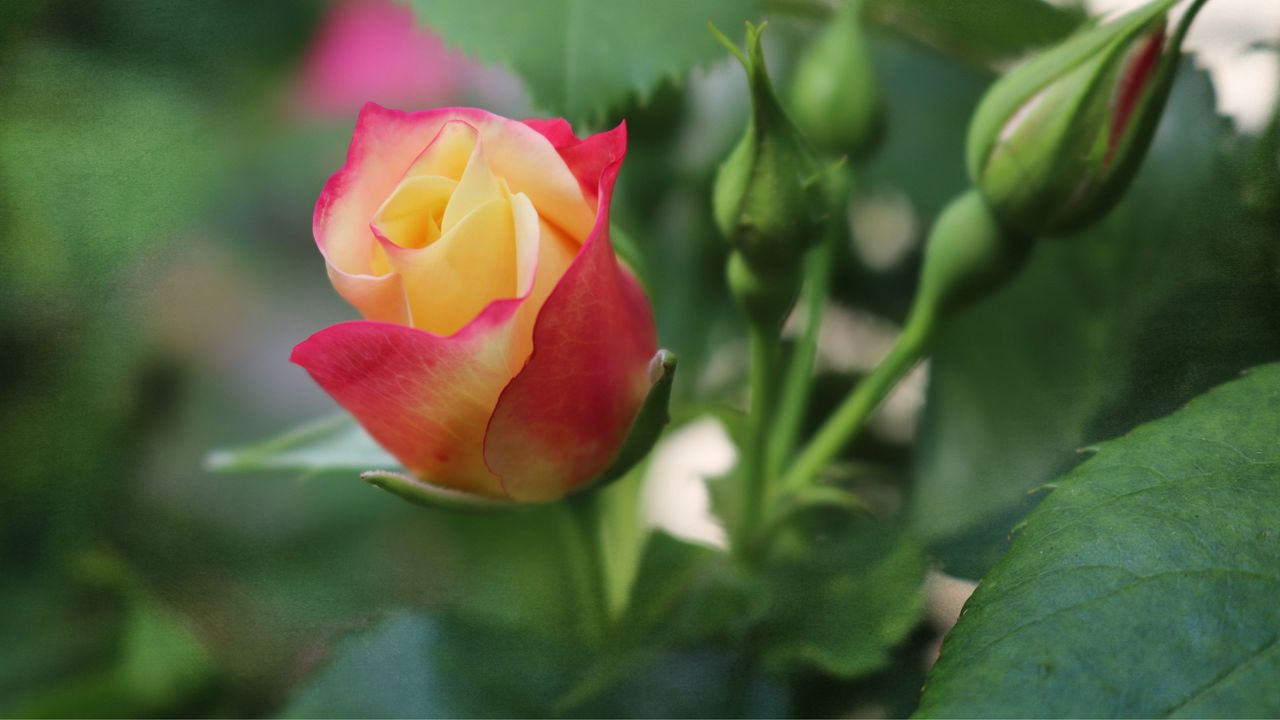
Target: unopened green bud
(835, 98)
(1055, 142)
(767, 199)
(969, 254)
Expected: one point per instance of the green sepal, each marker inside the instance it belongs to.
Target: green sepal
(421, 492)
(649, 423)
(1047, 147)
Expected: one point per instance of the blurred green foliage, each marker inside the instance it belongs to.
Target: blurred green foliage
(582, 59)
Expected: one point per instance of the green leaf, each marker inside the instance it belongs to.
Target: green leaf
(843, 604)
(985, 32)
(414, 665)
(329, 444)
(579, 58)
(1145, 585)
(1168, 296)
(685, 592)
(417, 665)
(700, 681)
(158, 666)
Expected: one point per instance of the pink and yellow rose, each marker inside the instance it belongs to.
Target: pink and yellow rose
(504, 350)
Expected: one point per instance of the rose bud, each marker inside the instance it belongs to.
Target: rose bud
(1055, 142)
(505, 352)
(835, 98)
(767, 199)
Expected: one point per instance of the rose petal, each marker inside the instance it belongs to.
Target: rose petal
(557, 130)
(560, 421)
(554, 255)
(587, 159)
(427, 398)
(424, 398)
(411, 217)
(379, 297)
(475, 188)
(448, 153)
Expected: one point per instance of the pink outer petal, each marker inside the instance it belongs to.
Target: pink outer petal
(557, 130)
(562, 419)
(423, 397)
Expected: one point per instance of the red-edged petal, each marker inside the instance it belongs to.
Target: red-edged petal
(561, 420)
(588, 158)
(424, 398)
(383, 145)
(557, 130)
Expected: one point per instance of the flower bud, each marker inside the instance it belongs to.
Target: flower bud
(1055, 142)
(835, 98)
(766, 197)
(969, 254)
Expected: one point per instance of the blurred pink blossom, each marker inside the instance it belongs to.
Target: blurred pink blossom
(374, 50)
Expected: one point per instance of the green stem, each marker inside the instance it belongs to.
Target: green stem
(795, 392)
(755, 471)
(585, 557)
(856, 409)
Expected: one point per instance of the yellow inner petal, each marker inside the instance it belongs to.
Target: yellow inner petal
(412, 216)
(554, 252)
(448, 230)
(449, 152)
(450, 281)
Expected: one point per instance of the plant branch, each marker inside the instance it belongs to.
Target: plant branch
(585, 557)
(799, 378)
(853, 413)
(755, 471)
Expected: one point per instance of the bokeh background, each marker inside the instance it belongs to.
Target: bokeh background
(158, 166)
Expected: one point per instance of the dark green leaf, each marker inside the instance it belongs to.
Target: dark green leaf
(844, 603)
(413, 665)
(980, 31)
(1145, 585)
(581, 57)
(157, 667)
(416, 665)
(700, 681)
(1173, 293)
(685, 592)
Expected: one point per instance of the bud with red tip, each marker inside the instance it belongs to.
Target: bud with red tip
(1055, 142)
